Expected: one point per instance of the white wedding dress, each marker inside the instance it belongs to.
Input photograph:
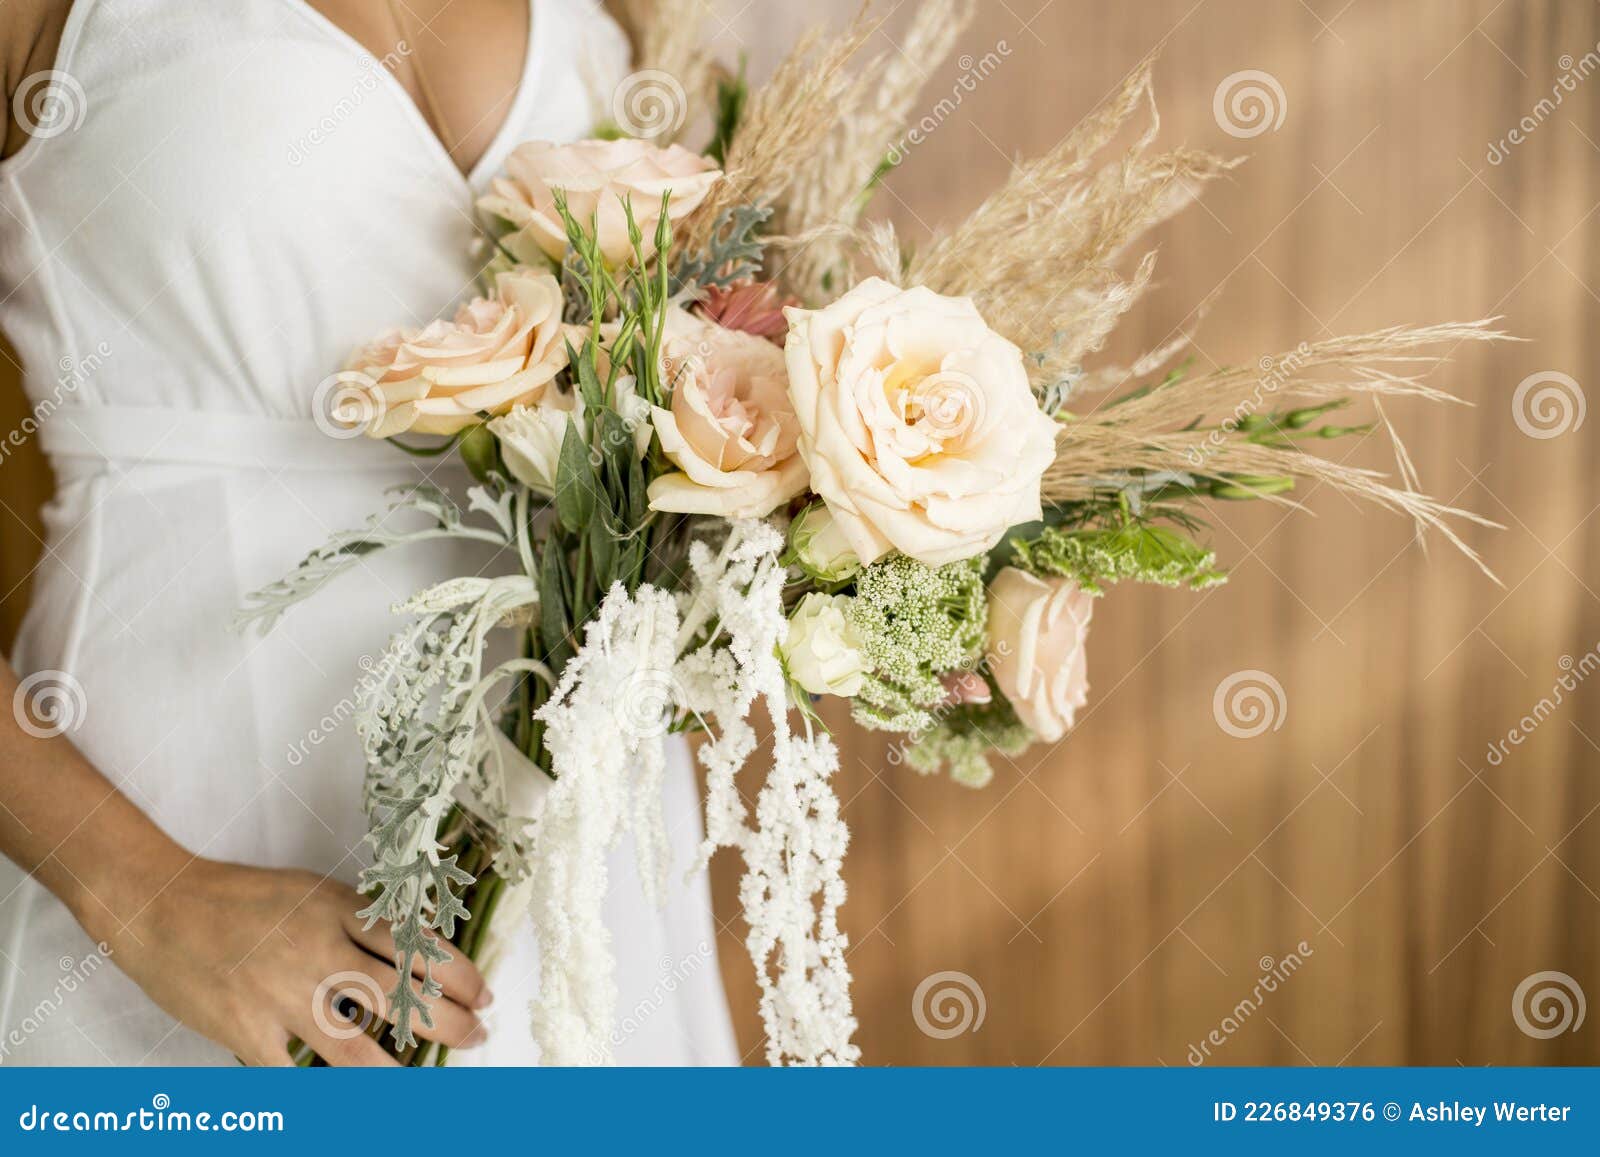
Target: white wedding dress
(248, 195)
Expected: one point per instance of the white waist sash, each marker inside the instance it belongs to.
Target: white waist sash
(128, 436)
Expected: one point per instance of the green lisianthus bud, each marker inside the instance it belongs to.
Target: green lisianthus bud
(818, 547)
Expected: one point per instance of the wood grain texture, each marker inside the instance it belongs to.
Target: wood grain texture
(1117, 898)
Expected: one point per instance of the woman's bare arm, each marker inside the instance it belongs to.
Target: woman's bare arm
(236, 953)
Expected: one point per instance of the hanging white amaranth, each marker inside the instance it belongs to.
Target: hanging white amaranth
(794, 851)
(604, 723)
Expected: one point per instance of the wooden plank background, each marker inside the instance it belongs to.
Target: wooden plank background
(1116, 900)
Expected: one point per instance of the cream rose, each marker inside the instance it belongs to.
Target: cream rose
(818, 548)
(1038, 629)
(728, 427)
(917, 422)
(498, 352)
(596, 176)
(822, 653)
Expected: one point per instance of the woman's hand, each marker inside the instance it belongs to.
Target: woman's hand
(251, 957)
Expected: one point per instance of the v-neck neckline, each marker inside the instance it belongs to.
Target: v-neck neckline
(435, 144)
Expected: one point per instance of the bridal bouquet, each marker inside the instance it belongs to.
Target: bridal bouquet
(740, 451)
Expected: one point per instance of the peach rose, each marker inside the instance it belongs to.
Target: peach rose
(596, 177)
(497, 353)
(1036, 650)
(729, 430)
(917, 422)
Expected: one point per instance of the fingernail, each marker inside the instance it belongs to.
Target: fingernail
(485, 999)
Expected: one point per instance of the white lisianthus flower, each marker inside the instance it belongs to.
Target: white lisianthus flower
(917, 422)
(530, 438)
(820, 547)
(822, 652)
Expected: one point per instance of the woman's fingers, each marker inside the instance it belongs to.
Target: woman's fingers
(460, 978)
(452, 1025)
(343, 1050)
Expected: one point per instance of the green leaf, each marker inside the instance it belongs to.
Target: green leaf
(575, 482)
(589, 388)
(731, 97)
(603, 551)
(554, 625)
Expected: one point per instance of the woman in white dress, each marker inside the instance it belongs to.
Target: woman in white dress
(203, 208)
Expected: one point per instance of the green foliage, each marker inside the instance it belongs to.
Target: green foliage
(962, 738)
(1132, 549)
(734, 252)
(915, 622)
(732, 95)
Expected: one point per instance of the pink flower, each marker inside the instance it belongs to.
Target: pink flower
(754, 307)
(962, 688)
(730, 429)
(1038, 629)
